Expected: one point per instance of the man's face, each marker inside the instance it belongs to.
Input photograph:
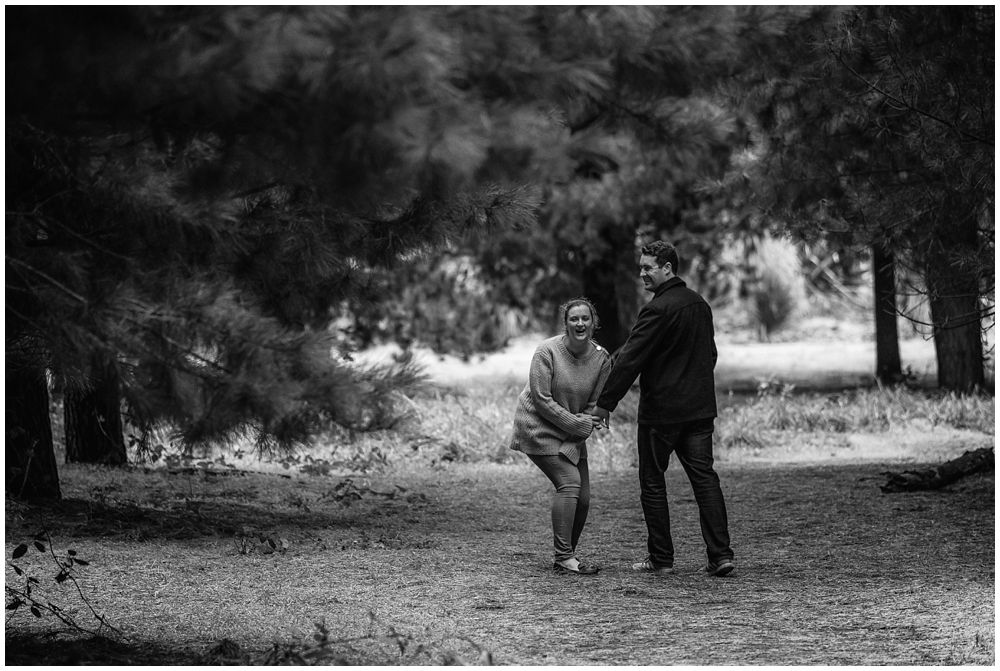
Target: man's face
(651, 274)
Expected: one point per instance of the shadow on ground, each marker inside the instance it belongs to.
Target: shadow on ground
(59, 650)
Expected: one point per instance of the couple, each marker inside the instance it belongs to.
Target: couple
(573, 387)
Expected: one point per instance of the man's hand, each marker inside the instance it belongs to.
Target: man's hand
(604, 416)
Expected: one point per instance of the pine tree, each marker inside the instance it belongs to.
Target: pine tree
(194, 190)
(877, 126)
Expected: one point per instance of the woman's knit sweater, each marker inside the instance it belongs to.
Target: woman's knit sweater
(559, 386)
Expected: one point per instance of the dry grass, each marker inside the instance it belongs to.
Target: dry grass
(870, 410)
(470, 424)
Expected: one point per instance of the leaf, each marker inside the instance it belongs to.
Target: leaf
(71, 553)
(33, 580)
(19, 551)
(62, 577)
(15, 604)
(17, 570)
(39, 546)
(35, 611)
(81, 562)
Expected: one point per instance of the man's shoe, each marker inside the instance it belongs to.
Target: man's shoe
(721, 568)
(647, 566)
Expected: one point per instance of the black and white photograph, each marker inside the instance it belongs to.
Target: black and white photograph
(515, 335)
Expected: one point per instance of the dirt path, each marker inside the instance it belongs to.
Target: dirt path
(453, 565)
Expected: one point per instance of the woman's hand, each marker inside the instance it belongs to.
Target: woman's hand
(589, 420)
(595, 421)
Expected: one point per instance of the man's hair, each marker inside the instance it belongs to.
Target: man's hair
(572, 303)
(664, 252)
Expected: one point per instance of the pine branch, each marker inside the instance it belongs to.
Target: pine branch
(46, 222)
(904, 105)
(51, 280)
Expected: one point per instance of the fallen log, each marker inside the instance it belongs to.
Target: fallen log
(970, 462)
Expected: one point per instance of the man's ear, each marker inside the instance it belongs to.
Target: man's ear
(668, 268)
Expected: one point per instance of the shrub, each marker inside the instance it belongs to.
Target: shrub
(38, 598)
(779, 288)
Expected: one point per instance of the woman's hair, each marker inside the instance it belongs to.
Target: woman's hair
(572, 303)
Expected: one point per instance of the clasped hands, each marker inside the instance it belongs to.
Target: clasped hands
(600, 418)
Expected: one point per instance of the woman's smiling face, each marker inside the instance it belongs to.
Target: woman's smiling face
(579, 323)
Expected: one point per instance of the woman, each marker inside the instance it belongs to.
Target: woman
(554, 418)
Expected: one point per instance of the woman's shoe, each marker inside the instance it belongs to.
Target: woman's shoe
(580, 569)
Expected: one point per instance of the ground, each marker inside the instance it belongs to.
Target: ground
(455, 565)
(450, 562)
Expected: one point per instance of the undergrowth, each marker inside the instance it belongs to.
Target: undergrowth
(41, 597)
(461, 425)
(456, 425)
(863, 411)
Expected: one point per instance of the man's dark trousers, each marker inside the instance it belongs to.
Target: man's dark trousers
(692, 443)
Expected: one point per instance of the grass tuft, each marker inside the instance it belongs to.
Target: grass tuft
(857, 411)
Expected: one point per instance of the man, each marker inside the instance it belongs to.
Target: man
(671, 348)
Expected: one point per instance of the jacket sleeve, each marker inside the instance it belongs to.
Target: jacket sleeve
(632, 356)
(602, 377)
(540, 388)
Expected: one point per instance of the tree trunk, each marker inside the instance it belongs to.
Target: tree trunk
(609, 283)
(953, 294)
(958, 346)
(31, 471)
(93, 418)
(888, 367)
(948, 472)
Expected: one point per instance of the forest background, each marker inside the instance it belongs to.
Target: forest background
(214, 213)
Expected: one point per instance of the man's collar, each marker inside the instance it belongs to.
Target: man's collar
(669, 284)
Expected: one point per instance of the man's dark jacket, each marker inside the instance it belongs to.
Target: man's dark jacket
(672, 350)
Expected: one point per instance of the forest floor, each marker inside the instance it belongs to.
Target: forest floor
(449, 562)
(454, 566)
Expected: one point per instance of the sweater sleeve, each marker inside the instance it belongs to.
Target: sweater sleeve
(632, 356)
(540, 388)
